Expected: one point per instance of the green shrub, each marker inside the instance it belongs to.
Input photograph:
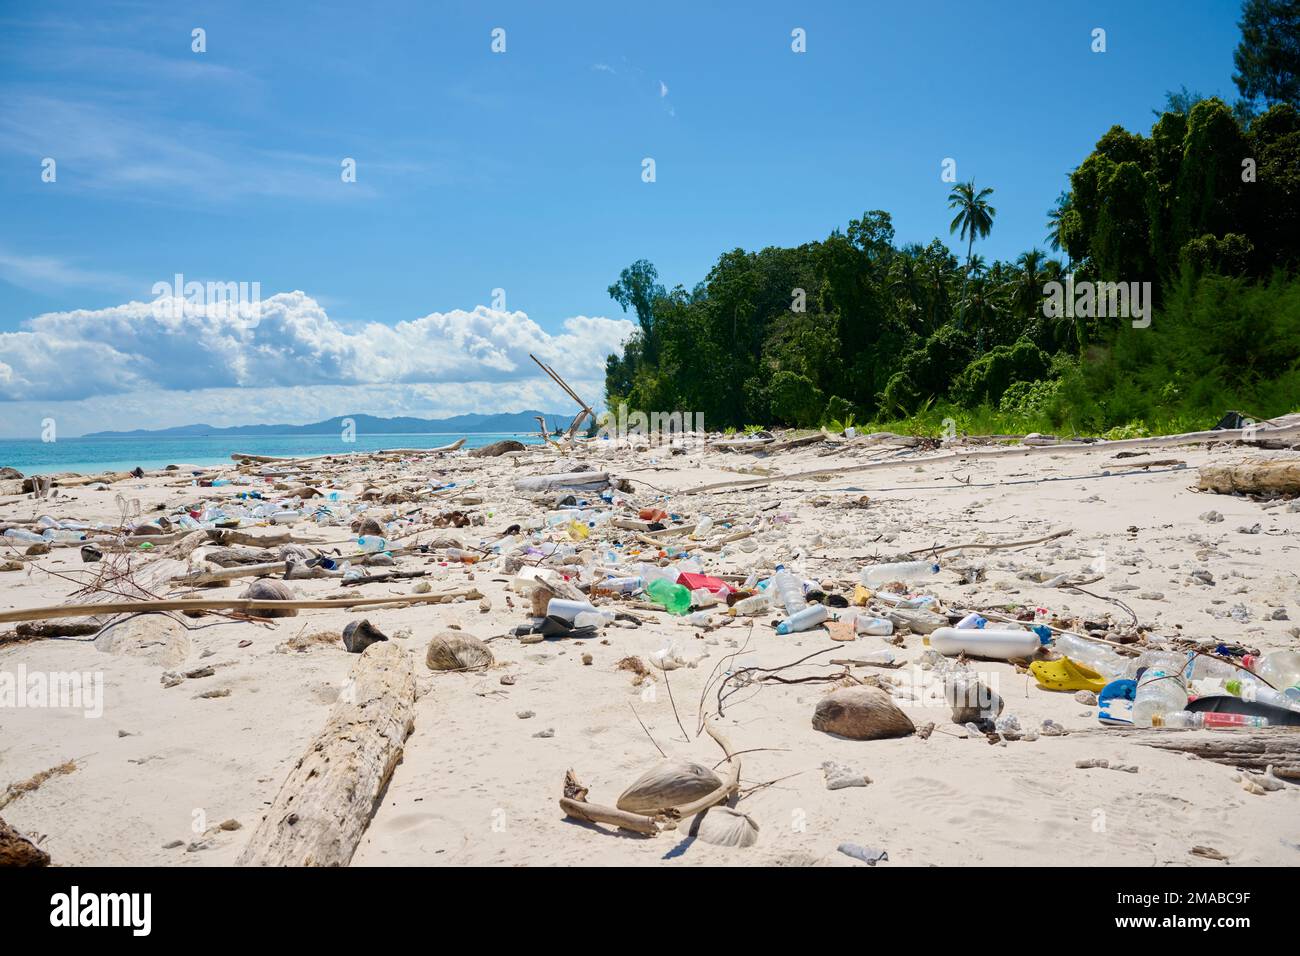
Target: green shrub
(795, 400)
(984, 380)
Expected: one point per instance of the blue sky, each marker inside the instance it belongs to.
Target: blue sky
(477, 171)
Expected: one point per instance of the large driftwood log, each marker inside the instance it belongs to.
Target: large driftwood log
(325, 804)
(1258, 477)
(1256, 750)
(227, 604)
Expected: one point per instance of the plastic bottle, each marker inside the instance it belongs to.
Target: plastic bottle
(702, 527)
(1091, 654)
(972, 621)
(1159, 692)
(703, 597)
(21, 534)
(1179, 719)
(699, 618)
(595, 618)
(1282, 670)
(753, 606)
(789, 591)
(59, 534)
(1214, 721)
(875, 575)
(1249, 688)
(999, 644)
(875, 626)
(569, 610)
(675, 598)
(371, 543)
(620, 585)
(809, 617)
(464, 557)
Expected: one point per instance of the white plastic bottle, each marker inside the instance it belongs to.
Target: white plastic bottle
(985, 642)
(569, 610)
(875, 626)
(809, 617)
(1158, 693)
(909, 572)
(593, 618)
(702, 528)
(789, 591)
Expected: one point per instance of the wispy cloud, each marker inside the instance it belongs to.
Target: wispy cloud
(51, 274)
(98, 148)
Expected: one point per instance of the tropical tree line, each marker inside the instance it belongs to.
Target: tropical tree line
(1204, 207)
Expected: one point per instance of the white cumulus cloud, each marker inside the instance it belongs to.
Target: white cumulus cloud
(286, 349)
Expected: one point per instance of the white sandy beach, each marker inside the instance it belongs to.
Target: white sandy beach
(162, 768)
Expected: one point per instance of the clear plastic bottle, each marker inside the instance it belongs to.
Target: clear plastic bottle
(703, 597)
(1098, 657)
(809, 617)
(61, 534)
(909, 572)
(702, 528)
(753, 606)
(371, 543)
(1159, 692)
(594, 618)
(789, 591)
(21, 534)
(875, 626)
(1281, 669)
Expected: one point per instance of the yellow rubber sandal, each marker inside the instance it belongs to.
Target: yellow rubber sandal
(1065, 674)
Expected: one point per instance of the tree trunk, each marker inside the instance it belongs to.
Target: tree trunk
(326, 802)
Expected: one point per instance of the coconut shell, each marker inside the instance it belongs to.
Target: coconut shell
(669, 783)
(359, 635)
(453, 651)
(723, 826)
(269, 590)
(861, 713)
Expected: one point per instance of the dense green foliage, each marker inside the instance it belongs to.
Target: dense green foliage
(1206, 208)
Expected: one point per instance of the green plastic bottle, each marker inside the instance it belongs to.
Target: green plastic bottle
(675, 598)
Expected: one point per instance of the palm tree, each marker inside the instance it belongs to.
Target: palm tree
(1056, 221)
(974, 218)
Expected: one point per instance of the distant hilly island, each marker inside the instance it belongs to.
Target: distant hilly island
(525, 421)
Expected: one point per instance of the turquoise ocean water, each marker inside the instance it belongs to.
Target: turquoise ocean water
(92, 455)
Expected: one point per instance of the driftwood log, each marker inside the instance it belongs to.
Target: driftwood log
(1259, 477)
(1256, 750)
(228, 604)
(17, 850)
(326, 802)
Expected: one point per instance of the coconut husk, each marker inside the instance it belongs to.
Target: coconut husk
(861, 713)
(668, 784)
(359, 635)
(453, 651)
(723, 826)
(268, 590)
